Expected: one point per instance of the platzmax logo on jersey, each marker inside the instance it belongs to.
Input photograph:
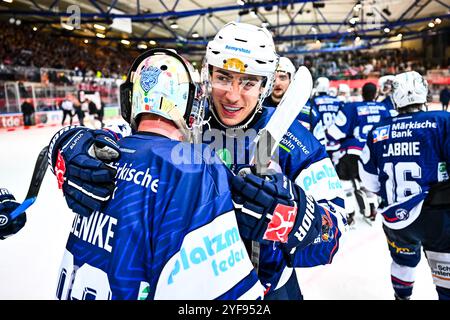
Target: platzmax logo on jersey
(210, 261)
(316, 175)
(209, 252)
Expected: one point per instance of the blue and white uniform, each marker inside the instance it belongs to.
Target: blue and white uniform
(352, 123)
(304, 160)
(169, 231)
(402, 158)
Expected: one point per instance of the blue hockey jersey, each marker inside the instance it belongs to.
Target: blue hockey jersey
(402, 158)
(353, 122)
(168, 232)
(327, 107)
(304, 160)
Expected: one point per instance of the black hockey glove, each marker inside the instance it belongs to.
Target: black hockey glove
(273, 208)
(9, 226)
(79, 158)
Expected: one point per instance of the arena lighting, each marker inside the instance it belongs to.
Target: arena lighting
(34, 29)
(431, 25)
(265, 24)
(152, 42)
(18, 22)
(195, 34)
(142, 46)
(240, 2)
(67, 26)
(86, 41)
(99, 27)
(387, 30)
(8, 1)
(100, 35)
(357, 39)
(12, 20)
(437, 21)
(125, 42)
(399, 36)
(254, 13)
(174, 25)
(357, 6)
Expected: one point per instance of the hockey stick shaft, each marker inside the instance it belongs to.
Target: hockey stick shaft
(268, 138)
(293, 101)
(36, 180)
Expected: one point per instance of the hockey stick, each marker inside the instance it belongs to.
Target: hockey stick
(266, 142)
(292, 103)
(36, 180)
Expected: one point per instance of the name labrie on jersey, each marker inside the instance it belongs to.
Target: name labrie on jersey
(401, 130)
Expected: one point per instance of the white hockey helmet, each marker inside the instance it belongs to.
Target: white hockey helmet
(332, 91)
(409, 88)
(160, 82)
(243, 48)
(322, 85)
(286, 65)
(383, 81)
(344, 89)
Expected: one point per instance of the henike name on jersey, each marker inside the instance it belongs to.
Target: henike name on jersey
(97, 229)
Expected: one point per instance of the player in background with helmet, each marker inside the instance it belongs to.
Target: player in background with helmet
(307, 116)
(406, 161)
(8, 204)
(327, 107)
(385, 93)
(349, 134)
(283, 77)
(169, 230)
(343, 93)
(238, 74)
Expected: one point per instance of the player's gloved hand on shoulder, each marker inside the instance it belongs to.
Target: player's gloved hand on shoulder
(80, 157)
(9, 226)
(273, 208)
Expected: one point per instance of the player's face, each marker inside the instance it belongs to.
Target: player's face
(234, 95)
(282, 81)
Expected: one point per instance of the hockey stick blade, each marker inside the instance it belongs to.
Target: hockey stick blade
(36, 180)
(293, 101)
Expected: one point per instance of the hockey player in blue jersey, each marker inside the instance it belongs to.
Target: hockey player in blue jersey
(283, 77)
(238, 74)
(326, 105)
(169, 230)
(348, 134)
(307, 116)
(8, 204)
(406, 161)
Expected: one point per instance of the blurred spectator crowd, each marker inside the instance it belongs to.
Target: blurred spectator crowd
(365, 64)
(20, 46)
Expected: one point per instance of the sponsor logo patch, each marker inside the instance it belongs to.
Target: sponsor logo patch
(381, 133)
(281, 224)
